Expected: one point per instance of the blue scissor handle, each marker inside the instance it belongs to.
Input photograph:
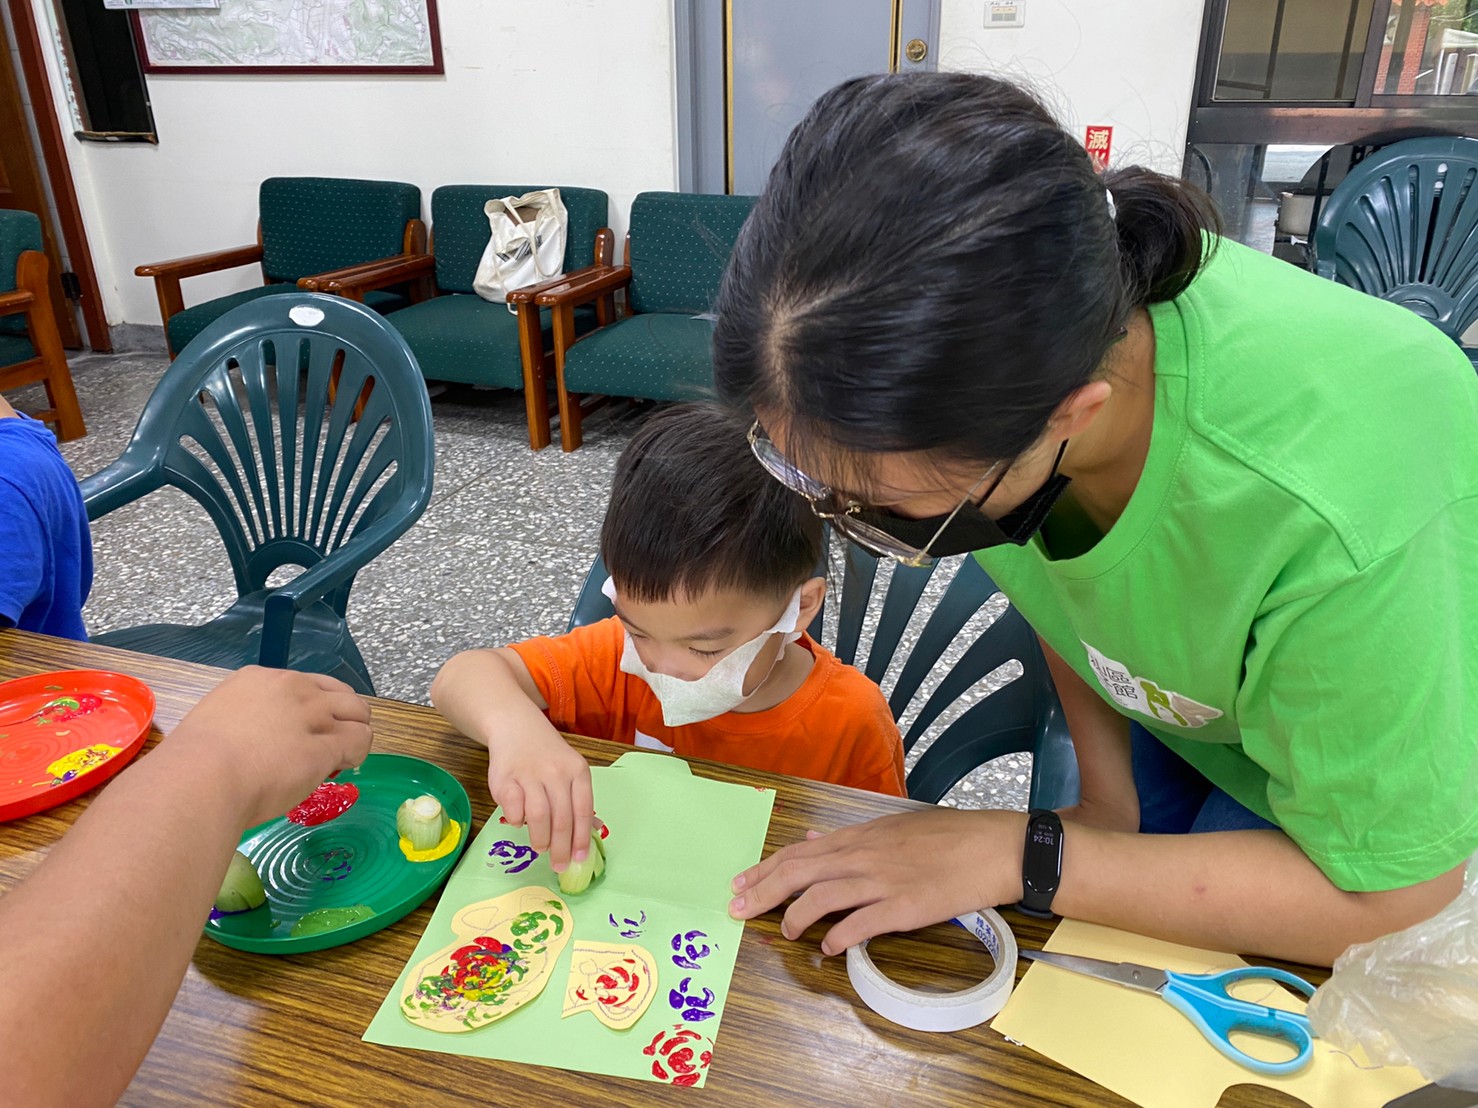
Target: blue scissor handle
(1203, 999)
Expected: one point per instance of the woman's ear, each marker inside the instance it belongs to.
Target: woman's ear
(813, 592)
(1081, 407)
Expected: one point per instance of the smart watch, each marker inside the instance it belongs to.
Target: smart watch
(1041, 863)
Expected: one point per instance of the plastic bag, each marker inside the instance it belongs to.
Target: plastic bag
(1411, 998)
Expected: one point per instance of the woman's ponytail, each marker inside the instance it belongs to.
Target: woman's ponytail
(1162, 225)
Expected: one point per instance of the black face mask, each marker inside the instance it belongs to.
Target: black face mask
(971, 529)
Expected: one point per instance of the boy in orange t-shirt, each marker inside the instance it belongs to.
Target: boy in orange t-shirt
(712, 569)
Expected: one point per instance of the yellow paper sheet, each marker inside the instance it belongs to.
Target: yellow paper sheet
(1143, 1049)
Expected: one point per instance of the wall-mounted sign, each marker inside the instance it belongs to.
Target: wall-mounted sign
(1098, 142)
(1005, 13)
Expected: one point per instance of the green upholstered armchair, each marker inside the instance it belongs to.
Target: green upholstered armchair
(307, 226)
(30, 345)
(458, 336)
(676, 252)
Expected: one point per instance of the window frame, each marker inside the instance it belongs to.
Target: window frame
(1371, 118)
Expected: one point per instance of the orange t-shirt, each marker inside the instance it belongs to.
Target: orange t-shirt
(836, 727)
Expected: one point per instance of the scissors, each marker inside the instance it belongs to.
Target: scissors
(1203, 999)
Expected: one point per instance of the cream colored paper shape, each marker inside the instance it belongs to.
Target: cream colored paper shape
(504, 955)
(1140, 1047)
(614, 981)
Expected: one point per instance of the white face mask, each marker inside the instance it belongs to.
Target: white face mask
(719, 690)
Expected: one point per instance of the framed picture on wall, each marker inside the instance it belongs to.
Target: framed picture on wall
(292, 36)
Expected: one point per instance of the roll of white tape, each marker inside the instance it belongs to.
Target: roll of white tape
(942, 1011)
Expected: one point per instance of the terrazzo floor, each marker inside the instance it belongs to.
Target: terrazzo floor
(499, 554)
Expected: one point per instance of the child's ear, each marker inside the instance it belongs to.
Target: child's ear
(813, 592)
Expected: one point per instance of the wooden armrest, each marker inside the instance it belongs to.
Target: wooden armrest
(197, 264)
(527, 294)
(17, 301)
(353, 275)
(596, 281)
(376, 275)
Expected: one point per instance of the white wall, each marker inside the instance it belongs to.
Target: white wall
(575, 92)
(1130, 64)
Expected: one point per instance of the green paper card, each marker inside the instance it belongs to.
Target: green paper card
(494, 969)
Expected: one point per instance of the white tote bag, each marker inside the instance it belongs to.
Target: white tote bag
(527, 244)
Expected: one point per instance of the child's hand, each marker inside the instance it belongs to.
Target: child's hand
(539, 780)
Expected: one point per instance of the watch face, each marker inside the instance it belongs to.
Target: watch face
(1046, 834)
(1042, 861)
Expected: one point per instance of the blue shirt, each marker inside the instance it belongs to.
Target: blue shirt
(45, 545)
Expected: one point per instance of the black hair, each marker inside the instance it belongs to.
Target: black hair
(691, 509)
(934, 266)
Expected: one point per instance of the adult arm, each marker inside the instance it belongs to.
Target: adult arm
(1355, 706)
(1247, 891)
(1101, 744)
(125, 894)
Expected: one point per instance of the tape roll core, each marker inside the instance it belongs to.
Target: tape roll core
(923, 1011)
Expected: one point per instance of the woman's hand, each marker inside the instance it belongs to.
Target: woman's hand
(898, 873)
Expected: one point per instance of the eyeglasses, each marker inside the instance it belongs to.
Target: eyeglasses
(842, 511)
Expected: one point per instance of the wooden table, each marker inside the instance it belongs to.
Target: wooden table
(255, 1029)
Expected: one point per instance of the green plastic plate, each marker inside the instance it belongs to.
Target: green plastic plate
(349, 869)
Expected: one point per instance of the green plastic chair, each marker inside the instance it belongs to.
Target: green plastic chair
(1403, 226)
(255, 421)
(1020, 717)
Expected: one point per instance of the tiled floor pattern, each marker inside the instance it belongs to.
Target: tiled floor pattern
(499, 554)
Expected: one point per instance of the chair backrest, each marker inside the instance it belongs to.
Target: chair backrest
(460, 229)
(19, 231)
(249, 422)
(1021, 716)
(679, 247)
(1403, 225)
(315, 224)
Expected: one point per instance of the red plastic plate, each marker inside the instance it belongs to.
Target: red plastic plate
(62, 734)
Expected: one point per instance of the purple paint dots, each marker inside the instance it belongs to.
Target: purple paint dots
(627, 927)
(688, 950)
(337, 865)
(692, 1006)
(512, 857)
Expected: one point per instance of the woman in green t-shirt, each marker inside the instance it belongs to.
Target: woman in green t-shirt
(1238, 503)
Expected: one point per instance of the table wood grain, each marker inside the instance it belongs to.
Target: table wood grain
(260, 1029)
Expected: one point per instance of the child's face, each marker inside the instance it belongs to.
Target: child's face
(685, 637)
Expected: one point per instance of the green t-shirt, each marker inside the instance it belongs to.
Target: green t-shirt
(1290, 599)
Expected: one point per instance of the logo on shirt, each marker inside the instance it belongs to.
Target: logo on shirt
(1140, 694)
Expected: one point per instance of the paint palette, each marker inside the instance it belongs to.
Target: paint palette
(333, 867)
(62, 734)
